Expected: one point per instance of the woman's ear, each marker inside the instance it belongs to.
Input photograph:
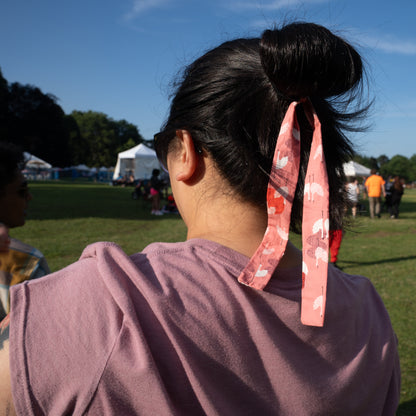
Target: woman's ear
(186, 156)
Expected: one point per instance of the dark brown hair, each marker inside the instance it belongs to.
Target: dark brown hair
(11, 161)
(233, 99)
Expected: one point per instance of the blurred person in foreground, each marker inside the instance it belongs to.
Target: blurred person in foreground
(18, 261)
(235, 320)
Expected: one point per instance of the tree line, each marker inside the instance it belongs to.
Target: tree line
(36, 122)
(398, 165)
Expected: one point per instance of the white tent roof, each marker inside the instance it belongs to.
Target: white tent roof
(82, 167)
(355, 169)
(139, 150)
(35, 162)
(140, 159)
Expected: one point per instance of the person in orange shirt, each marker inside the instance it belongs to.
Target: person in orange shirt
(375, 187)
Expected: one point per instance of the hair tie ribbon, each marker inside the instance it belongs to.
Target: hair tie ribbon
(315, 218)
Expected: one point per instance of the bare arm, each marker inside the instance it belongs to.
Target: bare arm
(6, 401)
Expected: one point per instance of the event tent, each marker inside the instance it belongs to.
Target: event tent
(355, 169)
(33, 162)
(140, 160)
(82, 168)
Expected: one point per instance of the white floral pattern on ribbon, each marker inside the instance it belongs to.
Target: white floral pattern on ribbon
(315, 225)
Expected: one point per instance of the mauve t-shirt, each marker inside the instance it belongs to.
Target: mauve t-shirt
(170, 331)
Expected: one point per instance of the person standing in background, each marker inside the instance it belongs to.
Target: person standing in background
(375, 187)
(335, 240)
(388, 187)
(353, 192)
(396, 196)
(156, 186)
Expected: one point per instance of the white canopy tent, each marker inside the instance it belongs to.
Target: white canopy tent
(355, 169)
(140, 160)
(33, 162)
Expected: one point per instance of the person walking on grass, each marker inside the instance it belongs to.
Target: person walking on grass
(375, 188)
(235, 320)
(396, 196)
(353, 192)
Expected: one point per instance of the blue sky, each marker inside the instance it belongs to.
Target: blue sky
(120, 56)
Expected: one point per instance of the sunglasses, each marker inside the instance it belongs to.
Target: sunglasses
(161, 142)
(161, 145)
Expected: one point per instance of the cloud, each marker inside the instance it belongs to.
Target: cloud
(390, 44)
(271, 5)
(141, 6)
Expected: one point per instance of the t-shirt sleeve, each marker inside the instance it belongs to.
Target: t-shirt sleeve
(393, 393)
(60, 339)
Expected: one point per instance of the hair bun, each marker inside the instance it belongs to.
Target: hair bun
(305, 59)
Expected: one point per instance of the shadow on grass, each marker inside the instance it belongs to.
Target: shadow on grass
(370, 263)
(407, 204)
(407, 408)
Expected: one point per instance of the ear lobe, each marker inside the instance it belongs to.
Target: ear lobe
(188, 157)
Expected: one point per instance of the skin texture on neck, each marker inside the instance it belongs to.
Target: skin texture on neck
(229, 222)
(210, 209)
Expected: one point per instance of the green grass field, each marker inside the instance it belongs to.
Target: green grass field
(65, 217)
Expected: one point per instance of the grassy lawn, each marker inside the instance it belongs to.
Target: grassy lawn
(65, 217)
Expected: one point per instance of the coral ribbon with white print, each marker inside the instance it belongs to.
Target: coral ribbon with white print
(315, 223)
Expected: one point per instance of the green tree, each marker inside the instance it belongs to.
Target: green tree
(127, 135)
(78, 147)
(35, 121)
(397, 166)
(128, 145)
(369, 162)
(412, 172)
(99, 138)
(382, 160)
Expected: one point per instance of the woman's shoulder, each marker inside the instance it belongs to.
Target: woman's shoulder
(354, 297)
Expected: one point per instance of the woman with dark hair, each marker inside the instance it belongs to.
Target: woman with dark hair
(235, 320)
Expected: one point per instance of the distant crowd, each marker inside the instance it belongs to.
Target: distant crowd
(373, 189)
